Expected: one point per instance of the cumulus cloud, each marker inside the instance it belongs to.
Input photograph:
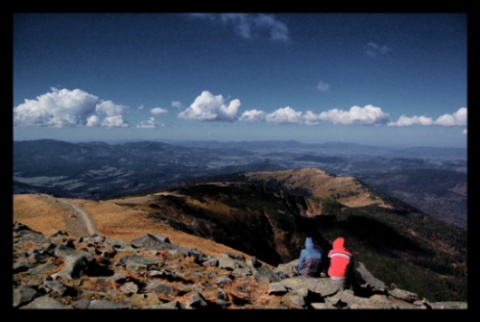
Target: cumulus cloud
(109, 108)
(373, 50)
(93, 120)
(285, 115)
(177, 104)
(61, 108)
(252, 116)
(323, 87)
(368, 115)
(411, 121)
(151, 123)
(458, 118)
(114, 121)
(208, 107)
(158, 111)
(251, 25)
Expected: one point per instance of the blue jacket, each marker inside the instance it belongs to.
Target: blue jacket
(310, 259)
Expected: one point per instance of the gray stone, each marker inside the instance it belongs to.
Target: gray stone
(277, 289)
(196, 301)
(403, 295)
(160, 288)
(267, 275)
(81, 304)
(23, 294)
(129, 288)
(297, 301)
(56, 287)
(223, 280)
(65, 251)
(287, 269)
(46, 302)
(149, 242)
(450, 305)
(323, 286)
(42, 268)
(370, 280)
(104, 304)
(322, 306)
(21, 266)
(173, 305)
(76, 266)
(119, 278)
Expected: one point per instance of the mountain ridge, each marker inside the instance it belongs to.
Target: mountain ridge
(245, 216)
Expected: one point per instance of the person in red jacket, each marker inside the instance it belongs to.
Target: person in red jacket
(341, 262)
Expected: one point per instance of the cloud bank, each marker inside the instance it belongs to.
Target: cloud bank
(368, 115)
(61, 108)
(459, 118)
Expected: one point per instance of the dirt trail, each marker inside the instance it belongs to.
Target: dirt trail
(83, 215)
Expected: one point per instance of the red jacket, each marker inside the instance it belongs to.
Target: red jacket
(340, 258)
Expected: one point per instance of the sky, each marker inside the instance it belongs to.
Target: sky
(384, 79)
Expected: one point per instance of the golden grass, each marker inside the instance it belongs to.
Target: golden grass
(40, 212)
(44, 214)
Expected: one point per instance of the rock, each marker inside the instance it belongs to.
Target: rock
(23, 294)
(403, 295)
(196, 301)
(97, 273)
(46, 302)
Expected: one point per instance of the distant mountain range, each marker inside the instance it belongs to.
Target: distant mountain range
(434, 180)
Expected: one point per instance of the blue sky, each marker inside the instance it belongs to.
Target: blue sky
(389, 79)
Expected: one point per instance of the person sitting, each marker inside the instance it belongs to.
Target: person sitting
(310, 259)
(341, 263)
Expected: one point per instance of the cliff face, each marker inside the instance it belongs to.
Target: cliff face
(94, 272)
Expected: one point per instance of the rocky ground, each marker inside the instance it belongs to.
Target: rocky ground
(149, 272)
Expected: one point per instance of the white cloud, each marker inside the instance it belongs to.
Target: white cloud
(60, 108)
(411, 121)
(177, 104)
(368, 115)
(323, 87)
(93, 120)
(311, 118)
(285, 115)
(464, 131)
(158, 111)
(373, 50)
(459, 118)
(252, 116)
(109, 108)
(251, 25)
(208, 107)
(148, 124)
(114, 121)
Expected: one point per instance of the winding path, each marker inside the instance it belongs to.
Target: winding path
(83, 215)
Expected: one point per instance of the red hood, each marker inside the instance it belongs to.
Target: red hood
(339, 243)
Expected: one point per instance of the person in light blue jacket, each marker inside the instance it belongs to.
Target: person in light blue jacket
(310, 259)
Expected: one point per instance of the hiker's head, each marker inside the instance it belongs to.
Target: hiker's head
(339, 243)
(308, 242)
